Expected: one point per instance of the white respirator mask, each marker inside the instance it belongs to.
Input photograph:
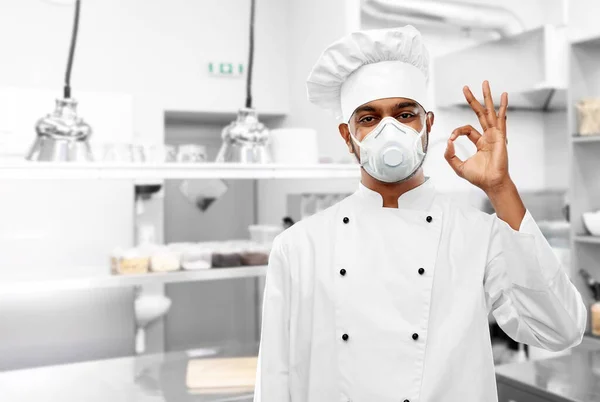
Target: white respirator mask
(392, 151)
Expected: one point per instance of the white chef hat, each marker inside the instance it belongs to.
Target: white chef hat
(370, 65)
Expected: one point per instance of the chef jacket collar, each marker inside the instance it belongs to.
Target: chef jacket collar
(419, 198)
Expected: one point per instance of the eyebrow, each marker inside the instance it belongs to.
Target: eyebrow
(364, 109)
(400, 105)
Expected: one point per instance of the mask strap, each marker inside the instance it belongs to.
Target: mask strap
(357, 142)
(419, 139)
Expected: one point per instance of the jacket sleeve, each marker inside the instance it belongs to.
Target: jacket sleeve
(272, 383)
(529, 294)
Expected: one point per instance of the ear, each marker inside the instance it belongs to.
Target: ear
(345, 133)
(429, 121)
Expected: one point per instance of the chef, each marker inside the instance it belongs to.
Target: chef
(385, 296)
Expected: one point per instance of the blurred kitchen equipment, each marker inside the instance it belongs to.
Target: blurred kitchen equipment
(461, 15)
(591, 221)
(62, 135)
(588, 111)
(221, 375)
(294, 146)
(594, 286)
(145, 234)
(160, 153)
(255, 254)
(264, 234)
(198, 256)
(246, 139)
(227, 255)
(202, 193)
(137, 153)
(163, 259)
(130, 261)
(191, 153)
(148, 308)
(118, 152)
(287, 222)
(300, 206)
(146, 191)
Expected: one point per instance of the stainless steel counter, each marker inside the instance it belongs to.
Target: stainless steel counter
(151, 378)
(575, 377)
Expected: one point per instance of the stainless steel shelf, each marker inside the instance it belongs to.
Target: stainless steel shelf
(587, 239)
(33, 285)
(141, 171)
(586, 138)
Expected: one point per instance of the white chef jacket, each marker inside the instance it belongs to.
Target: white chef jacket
(370, 304)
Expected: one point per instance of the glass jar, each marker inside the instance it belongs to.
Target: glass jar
(191, 153)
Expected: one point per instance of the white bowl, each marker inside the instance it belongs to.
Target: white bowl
(592, 222)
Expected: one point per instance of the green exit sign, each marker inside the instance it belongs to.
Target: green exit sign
(224, 69)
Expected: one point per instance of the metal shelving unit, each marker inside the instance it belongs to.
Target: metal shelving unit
(584, 82)
(586, 139)
(33, 285)
(587, 239)
(141, 171)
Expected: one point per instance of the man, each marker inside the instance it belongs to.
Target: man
(386, 295)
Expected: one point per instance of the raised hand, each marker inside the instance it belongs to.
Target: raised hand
(488, 168)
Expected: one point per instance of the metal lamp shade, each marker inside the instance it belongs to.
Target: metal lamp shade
(62, 136)
(245, 140)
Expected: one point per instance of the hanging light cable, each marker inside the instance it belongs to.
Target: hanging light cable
(250, 57)
(62, 135)
(246, 139)
(67, 88)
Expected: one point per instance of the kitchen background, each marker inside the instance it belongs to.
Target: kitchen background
(150, 73)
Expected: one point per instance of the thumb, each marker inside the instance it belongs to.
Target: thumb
(454, 161)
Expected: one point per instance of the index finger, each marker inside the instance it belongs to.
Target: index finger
(476, 106)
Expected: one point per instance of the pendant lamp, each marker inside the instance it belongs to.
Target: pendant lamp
(246, 139)
(62, 135)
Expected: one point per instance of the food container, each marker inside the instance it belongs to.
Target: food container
(592, 222)
(115, 260)
(264, 234)
(198, 256)
(227, 255)
(595, 318)
(160, 153)
(191, 153)
(131, 261)
(163, 259)
(588, 111)
(256, 254)
(180, 247)
(117, 152)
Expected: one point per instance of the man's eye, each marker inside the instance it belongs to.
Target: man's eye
(367, 119)
(406, 115)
